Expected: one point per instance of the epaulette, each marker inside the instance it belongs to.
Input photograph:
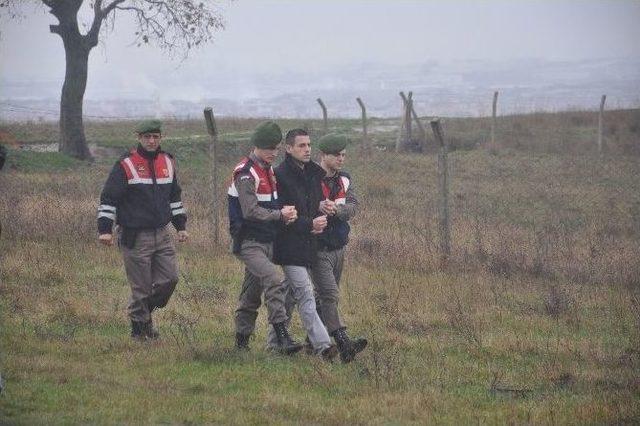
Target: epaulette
(245, 167)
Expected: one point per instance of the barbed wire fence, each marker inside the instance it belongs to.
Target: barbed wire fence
(438, 209)
(440, 205)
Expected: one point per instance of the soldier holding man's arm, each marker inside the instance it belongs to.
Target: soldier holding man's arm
(255, 213)
(340, 205)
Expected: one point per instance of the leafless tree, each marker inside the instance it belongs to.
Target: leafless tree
(175, 26)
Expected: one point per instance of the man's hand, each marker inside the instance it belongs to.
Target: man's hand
(289, 214)
(319, 223)
(106, 239)
(183, 236)
(328, 207)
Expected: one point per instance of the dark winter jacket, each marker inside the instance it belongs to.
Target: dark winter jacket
(295, 244)
(253, 185)
(339, 189)
(142, 192)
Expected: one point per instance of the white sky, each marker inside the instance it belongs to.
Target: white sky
(301, 36)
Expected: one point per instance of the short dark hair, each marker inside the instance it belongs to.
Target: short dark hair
(290, 138)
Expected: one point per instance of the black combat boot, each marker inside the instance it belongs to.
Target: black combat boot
(348, 348)
(150, 331)
(138, 330)
(286, 344)
(242, 341)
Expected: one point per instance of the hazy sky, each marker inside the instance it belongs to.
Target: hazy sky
(302, 36)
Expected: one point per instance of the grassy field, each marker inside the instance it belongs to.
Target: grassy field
(535, 318)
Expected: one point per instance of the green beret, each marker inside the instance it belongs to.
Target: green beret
(149, 126)
(267, 135)
(332, 143)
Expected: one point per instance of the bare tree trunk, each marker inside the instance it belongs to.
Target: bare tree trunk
(76, 50)
(72, 138)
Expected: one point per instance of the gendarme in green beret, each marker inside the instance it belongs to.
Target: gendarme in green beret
(332, 143)
(267, 135)
(149, 126)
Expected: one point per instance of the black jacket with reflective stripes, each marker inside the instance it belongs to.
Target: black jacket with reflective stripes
(142, 192)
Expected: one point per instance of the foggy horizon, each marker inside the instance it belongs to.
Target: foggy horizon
(277, 48)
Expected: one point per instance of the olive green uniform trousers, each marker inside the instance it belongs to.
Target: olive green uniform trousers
(152, 271)
(326, 273)
(261, 275)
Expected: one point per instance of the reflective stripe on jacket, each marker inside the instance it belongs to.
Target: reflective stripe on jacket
(142, 192)
(267, 195)
(336, 234)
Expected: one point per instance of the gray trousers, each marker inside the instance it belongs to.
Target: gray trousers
(300, 289)
(152, 271)
(260, 276)
(326, 273)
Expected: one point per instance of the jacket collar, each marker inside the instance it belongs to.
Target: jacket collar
(149, 155)
(253, 157)
(310, 168)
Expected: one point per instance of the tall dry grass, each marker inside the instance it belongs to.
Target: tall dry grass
(534, 319)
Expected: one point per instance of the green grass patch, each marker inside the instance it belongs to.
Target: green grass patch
(533, 320)
(32, 161)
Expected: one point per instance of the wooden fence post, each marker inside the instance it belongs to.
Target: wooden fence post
(213, 134)
(366, 145)
(404, 138)
(601, 123)
(407, 119)
(423, 133)
(402, 123)
(494, 109)
(443, 180)
(324, 116)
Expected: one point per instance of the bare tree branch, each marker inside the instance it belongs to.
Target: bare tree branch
(175, 26)
(172, 25)
(91, 38)
(107, 10)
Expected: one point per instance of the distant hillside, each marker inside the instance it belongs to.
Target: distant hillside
(444, 89)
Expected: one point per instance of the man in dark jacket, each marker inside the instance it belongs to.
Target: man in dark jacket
(142, 196)
(295, 246)
(340, 205)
